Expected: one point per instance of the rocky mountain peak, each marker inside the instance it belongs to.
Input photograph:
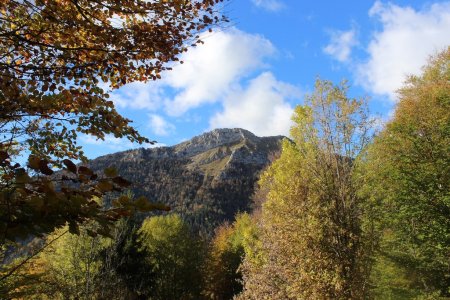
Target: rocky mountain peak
(214, 139)
(207, 179)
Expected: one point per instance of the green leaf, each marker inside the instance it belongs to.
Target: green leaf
(74, 228)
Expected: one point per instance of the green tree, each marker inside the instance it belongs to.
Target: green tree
(82, 266)
(68, 268)
(175, 257)
(409, 179)
(311, 223)
(124, 272)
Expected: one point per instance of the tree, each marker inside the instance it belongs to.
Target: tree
(223, 279)
(124, 273)
(409, 174)
(68, 268)
(175, 257)
(311, 222)
(54, 57)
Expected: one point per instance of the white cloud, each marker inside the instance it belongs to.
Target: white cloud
(270, 5)
(160, 126)
(109, 142)
(113, 143)
(213, 73)
(139, 95)
(262, 107)
(210, 70)
(408, 37)
(206, 75)
(341, 44)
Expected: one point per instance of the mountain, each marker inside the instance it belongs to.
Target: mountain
(206, 180)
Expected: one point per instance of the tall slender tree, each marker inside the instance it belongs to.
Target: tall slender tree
(311, 222)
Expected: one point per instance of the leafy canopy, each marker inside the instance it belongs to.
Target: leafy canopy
(55, 57)
(409, 171)
(312, 241)
(174, 255)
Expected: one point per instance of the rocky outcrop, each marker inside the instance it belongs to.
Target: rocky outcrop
(207, 179)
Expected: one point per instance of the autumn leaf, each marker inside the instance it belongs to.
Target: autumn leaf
(121, 182)
(70, 165)
(43, 167)
(110, 172)
(3, 156)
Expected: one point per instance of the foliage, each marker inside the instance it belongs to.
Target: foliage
(55, 56)
(174, 255)
(124, 271)
(81, 266)
(68, 268)
(311, 227)
(36, 206)
(223, 277)
(409, 172)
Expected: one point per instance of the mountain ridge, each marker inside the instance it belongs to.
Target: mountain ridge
(207, 179)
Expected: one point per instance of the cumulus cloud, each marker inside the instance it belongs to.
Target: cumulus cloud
(407, 38)
(270, 5)
(160, 126)
(139, 95)
(210, 70)
(214, 73)
(341, 44)
(261, 107)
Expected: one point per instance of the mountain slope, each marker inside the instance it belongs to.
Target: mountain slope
(207, 179)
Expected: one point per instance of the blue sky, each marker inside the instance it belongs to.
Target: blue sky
(252, 72)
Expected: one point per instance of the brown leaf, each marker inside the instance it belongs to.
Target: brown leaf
(85, 171)
(70, 166)
(3, 156)
(33, 162)
(121, 182)
(105, 186)
(43, 167)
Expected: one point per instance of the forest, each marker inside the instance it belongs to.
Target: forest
(348, 209)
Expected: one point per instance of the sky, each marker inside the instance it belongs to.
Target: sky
(252, 72)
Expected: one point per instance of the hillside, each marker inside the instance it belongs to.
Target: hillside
(207, 179)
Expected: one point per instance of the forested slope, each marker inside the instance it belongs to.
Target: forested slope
(207, 179)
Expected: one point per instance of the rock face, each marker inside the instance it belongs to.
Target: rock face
(207, 180)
